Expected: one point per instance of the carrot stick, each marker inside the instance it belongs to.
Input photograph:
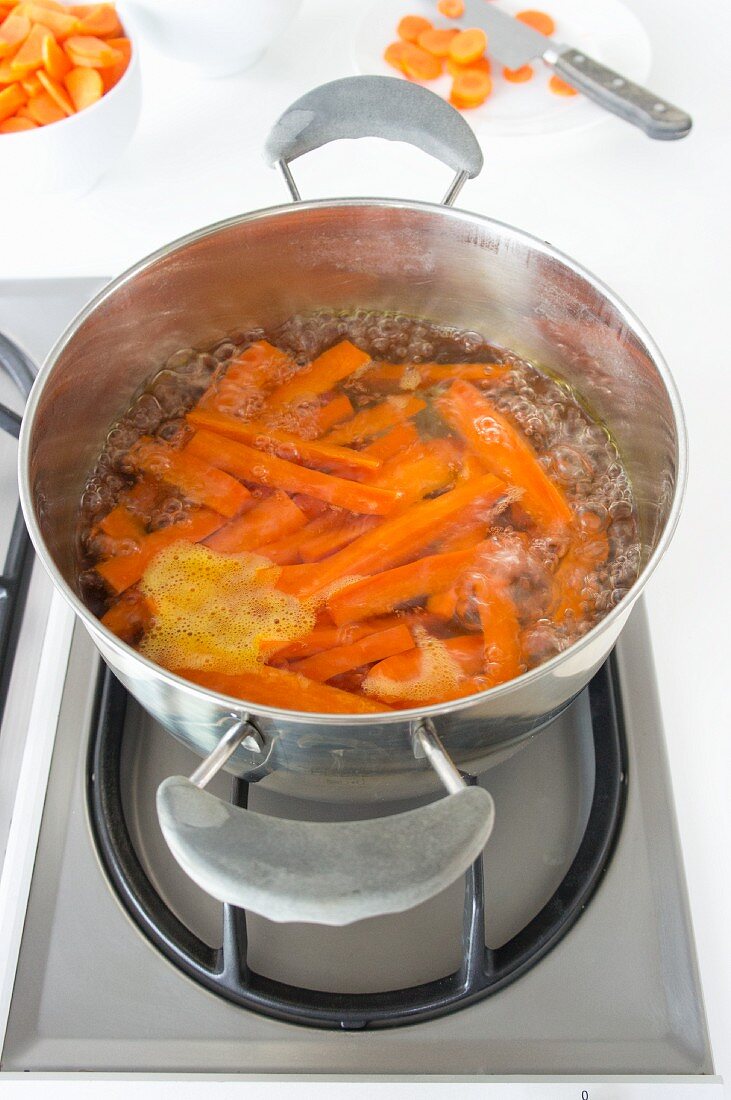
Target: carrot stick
(274, 517)
(582, 558)
(383, 592)
(322, 374)
(200, 481)
(253, 432)
(142, 497)
(392, 443)
(397, 540)
(277, 687)
(328, 637)
(335, 537)
(311, 507)
(120, 523)
(501, 631)
(413, 376)
(560, 87)
(504, 451)
(443, 603)
(337, 409)
(422, 469)
(467, 650)
(251, 465)
(121, 572)
(376, 419)
(247, 377)
(129, 616)
(373, 647)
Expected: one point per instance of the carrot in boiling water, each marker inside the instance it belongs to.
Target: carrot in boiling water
(392, 443)
(251, 373)
(376, 419)
(324, 636)
(395, 541)
(121, 572)
(443, 603)
(327, 416)
(503, 450)
(501, 632)
(278, 687)
(425, 467)
(129, 616)
(269, 520)
(335, 537)
(365, 651)
(467, 650)
(251, 465)
(384, 591)
(322, 374)
(254, 432)
(199, 481)
(585, 553)
(120, 523)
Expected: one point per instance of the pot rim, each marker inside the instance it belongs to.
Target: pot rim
(241, 706)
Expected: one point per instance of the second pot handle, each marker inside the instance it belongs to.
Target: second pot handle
(375, 106)
(323, 872)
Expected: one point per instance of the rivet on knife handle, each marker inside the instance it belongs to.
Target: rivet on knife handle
(631, 102)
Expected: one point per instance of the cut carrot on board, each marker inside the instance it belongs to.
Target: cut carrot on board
(519, 76)
(437, 42)
(453, 9)
(471, 88)
(419, 64)
(538, 20)
(411, 26)
(468, 45)
(560, 87)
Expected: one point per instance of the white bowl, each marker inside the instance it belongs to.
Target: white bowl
(219, 37)
(71, 155)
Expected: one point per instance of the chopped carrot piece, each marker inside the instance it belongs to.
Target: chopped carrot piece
(393, 442)
(325, 637)
(394, 54)
(11, 98)
(503, 450)
(411, 26)
(334, 538)
(129, 616)
(325, 372)
(45, 110)
(585, 553)
(6, 76)
(426, 467)
(16, 125)
(396, 540)
(285, 549)
(337, 409)
(98, 19)
(311, 507)
(501, 631)
(538, 20)
(307, 451)
(120, 523)
(444, 604)
(201, 482)
(467, 650)
(365, 651)
(472, 87)
(123, 571)
(31, 85)
(560, 87)
(30, 55)
(519, 76)
(383, 592)
(60, 23)
(376, 419)
(56, 92)
(89, 52)
(112, 74)
(277, 687)
(453, 9)
(269, 520)
(55, 60)
(85, 86)
(419, 64)
(436, 42)
(468, 45)
(276, 473)
(13, 33)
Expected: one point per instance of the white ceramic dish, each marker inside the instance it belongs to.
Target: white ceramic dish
(605, 29)
(219, 37)
(68, 157)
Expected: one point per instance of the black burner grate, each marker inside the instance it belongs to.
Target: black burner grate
(16, 571)
(483, 971)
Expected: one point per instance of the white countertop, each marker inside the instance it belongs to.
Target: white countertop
(649, 218)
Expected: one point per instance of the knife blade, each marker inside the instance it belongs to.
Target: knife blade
(515, 44)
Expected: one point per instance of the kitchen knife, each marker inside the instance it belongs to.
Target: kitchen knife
(515, 44)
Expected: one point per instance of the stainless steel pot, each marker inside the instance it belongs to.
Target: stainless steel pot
(419, 258)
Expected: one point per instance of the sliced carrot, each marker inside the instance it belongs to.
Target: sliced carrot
(419, 64)
(142, 497)
(31, 85)
(453, 9)
(129, 616)
(85, 86)
(200, 482)
(411, 26)
(472, 87)
(383, 592)
(120, 523)
(123, 571)
(468, 45)
(89, 52)
(538, 20)
(503, 450)
(467, 650)
(584, 555)
(60, 23)
(340, 534)
(56, 92)
(13, 33)
(395, 541)
(376, 419)
(322, 374)
(560, 87)
(482, 64)
(426, 467)
(392, 443)
(444, 604)
(44, 110)
(248, 376)
(98, 19)
(337, 409)
(285, 550)
(276, 473)
(30, 55)
(269, 520)
(112, 74)
(501, 632)
(277, 687)
(6, 76)
(16, 125)
(365, 651)
(309, 451)
(11, 98)
(519, 76)
(436, 42)
(311, 507)
(394, 54)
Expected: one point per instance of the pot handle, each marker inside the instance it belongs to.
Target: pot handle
(323, 872)
(375, 106)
